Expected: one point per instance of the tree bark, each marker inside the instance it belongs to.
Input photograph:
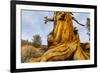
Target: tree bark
(63, 42)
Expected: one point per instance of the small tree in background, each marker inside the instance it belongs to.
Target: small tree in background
(36, 41)
(88, 26)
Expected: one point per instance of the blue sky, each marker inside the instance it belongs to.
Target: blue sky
(33, 23)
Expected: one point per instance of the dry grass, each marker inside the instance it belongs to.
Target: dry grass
(29, 51)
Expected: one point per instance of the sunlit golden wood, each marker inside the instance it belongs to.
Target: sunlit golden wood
(64, 42)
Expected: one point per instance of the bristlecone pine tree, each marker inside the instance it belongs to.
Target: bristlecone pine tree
(64, 42)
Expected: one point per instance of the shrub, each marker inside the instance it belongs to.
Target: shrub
(28, 51)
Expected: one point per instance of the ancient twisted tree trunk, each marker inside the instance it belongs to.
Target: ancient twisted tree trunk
(63, 41)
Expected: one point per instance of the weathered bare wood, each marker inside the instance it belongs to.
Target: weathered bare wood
(63, 41)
